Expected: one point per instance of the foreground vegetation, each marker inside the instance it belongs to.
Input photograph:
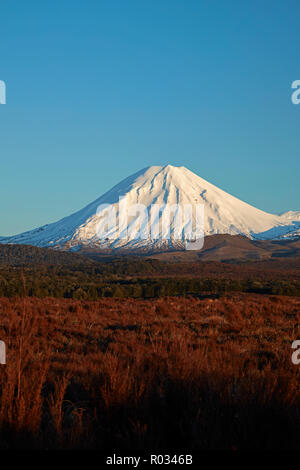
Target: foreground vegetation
(172, 372)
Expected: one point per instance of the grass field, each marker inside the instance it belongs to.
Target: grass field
(171, 372)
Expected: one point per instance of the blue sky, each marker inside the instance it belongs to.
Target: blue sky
(97, 90)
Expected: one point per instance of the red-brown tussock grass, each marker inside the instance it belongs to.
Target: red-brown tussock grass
(172, 372)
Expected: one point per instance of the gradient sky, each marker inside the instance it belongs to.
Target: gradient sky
(97, 90)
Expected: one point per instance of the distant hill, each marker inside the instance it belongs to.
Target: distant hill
(225, 248)
(228, 248)
(26, 255)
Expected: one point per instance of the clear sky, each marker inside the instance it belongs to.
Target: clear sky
(98, 89)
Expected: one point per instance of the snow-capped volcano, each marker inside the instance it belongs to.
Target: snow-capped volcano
(167, 186)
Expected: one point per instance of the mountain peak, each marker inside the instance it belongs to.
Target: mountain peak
(167, 186)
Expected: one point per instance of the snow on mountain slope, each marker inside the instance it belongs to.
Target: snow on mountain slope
(290, 229)
(291, 215)
(167, 185)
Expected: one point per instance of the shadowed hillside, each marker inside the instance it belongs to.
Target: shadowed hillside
(22, 255)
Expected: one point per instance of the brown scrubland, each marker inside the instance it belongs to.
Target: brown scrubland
(172, 372)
